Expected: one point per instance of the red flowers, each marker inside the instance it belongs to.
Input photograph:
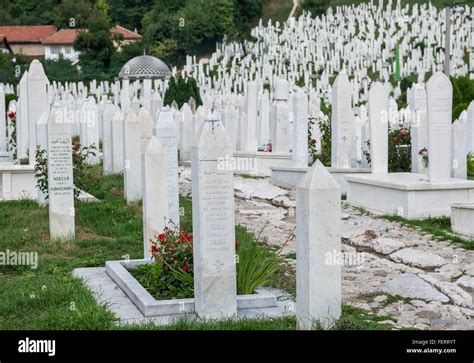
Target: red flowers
(11, 115)
(404, 132)
(395, 138)
(174, 249)
(313, 141)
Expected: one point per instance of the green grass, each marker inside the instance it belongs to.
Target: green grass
(50, 298)
(351, 319)
(439, 227)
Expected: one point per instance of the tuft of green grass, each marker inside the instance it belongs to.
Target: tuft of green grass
(439, 227)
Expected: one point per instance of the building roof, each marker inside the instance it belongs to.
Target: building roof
(64, 36)
(27, 34)
(127, 34)
(68, 36)
(145, 67)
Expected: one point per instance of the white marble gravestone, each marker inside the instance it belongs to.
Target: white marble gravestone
(22, 118)
(132, 158)
(37, 102)
(166, 132)
(439, 94)
(117, 142)
(249, 127)
(342, 122)
(419, 127)
(318, 241)
(107, 118)
(155, 193)
(281, 132)
(60, 177)
(300, 132)
(213, 224)
(458, 150)
(378, 120)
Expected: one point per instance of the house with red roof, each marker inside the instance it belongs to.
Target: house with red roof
(46, 41)
(27, 39)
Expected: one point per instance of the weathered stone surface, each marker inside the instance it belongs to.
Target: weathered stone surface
(418, 258)
(428, 314)
(455, 293)
(258, 188)
(466, 282)
(386, 246)
(413, 287)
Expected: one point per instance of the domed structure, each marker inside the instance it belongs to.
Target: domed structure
(145, 67)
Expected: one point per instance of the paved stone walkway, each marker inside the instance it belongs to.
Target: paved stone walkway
(390, 270)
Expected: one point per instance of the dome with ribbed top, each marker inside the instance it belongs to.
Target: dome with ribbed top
(145, 67)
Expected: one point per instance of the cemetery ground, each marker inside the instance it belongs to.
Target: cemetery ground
(49, 297)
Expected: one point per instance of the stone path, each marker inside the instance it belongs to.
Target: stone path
(390, 270)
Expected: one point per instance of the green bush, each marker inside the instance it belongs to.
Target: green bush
(181, 91)
(256, 265)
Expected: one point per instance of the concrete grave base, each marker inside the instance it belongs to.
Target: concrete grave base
(409, 195)
(265, 303)
(290, 176)
(17, 182)
(462, 219)
(259, 163)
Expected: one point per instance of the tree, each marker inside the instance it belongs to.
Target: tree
(96, 46)
(72, 14)
(316, 7)
(61, 70)
(129, 13)
(181, 91)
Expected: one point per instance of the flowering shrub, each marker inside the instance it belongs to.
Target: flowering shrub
(424, 156)
(172, 274)
(11, 126)
(311, 140)
(399, 150)
(174, 249)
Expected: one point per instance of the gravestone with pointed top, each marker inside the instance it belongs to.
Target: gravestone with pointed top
(280, 113)
(60, 177)
(439, 95)
(132, 158)
(342, 137)
(378, 121)
(37, 103)
(318, 240)
(458, 150)
(166, 132)
(117, 127)
(213, 224)
(108, 116)
(155, 193)
(22, 118)
(300, 133)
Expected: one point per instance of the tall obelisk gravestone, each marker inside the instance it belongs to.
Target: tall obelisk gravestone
(213, 224)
